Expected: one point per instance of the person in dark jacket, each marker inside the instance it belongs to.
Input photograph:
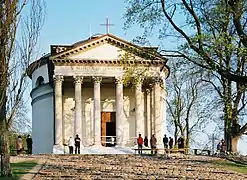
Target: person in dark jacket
(29, 144)
(170, 142)
(165, 141)
(146, 141)
(77, 144)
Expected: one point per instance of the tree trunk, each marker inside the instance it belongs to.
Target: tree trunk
(4, 148)
(4, 139)
(234, 143)
(175, 135)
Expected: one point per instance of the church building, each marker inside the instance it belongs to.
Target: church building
(102, 88)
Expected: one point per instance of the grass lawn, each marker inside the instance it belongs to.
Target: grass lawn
(228, 165)
(20, 168)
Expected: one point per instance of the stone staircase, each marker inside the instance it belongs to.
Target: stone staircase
(132, 167)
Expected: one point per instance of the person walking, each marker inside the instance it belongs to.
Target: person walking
(153, 142)
(140, 143)
(77, 144)
(29, 144)
(19, 145)
(70, 144)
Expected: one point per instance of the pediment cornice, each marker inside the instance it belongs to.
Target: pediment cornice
(65, 52)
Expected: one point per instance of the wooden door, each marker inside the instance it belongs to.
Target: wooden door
(105, 117)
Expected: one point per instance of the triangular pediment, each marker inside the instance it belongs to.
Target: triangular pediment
(104, 47)
(101, 52)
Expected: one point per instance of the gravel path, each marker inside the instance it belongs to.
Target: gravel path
(132, 167)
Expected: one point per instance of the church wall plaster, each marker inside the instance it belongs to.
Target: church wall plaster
(42, 125)
(41, 71)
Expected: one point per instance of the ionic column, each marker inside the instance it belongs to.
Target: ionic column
(78, 110)
(138, 110)
(119, 110)
(152, 124)
(148, 127)
(58, 110)
(97, 111)
(157, 113)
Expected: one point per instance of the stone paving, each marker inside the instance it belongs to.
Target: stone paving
(132, 167)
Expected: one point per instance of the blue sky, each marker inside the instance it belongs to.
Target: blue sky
(69, 21)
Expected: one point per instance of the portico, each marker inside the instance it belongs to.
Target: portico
(143, 121)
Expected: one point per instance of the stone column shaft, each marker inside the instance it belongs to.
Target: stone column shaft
(58, 110)
(138, 111)
(97, 111)
(149, 116)
(157, 113)
(78, 110)
(152, 109)
(119, 110)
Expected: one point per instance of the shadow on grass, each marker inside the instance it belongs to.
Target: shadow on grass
(19, 169)
(225, 164)
(231, 166)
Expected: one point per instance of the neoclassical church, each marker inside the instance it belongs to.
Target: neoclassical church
(101, 88)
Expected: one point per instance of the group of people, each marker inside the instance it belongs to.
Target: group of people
(153, 143)
(169, 142)
(74, 142)
(20, 147)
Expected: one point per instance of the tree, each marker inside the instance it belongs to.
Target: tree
(210, 38)
(20, 24)
(184, 98)
(185, 20)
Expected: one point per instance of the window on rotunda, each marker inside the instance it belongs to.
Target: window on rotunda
(40, 81)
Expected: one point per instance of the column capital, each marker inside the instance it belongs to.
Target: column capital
(148, 91)
(58, 78)
(119, 79)
(78, 79)
(97, 79)
(139, 80)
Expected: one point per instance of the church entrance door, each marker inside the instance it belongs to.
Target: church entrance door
(108, 128)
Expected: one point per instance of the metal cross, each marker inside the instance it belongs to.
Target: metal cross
(107, 25)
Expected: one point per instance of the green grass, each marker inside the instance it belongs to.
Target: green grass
(19, 169)
(228, 165)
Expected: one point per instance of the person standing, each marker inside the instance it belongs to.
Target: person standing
(170, 142)
(140, 143)
(19, 145)
(218, 148)
(179, 142)
(29, 144)
(153, 142)
(146, 141)
(77, 144)
(70, 144)
(165, 141)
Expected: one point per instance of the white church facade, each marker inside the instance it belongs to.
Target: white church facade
(99, 88)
